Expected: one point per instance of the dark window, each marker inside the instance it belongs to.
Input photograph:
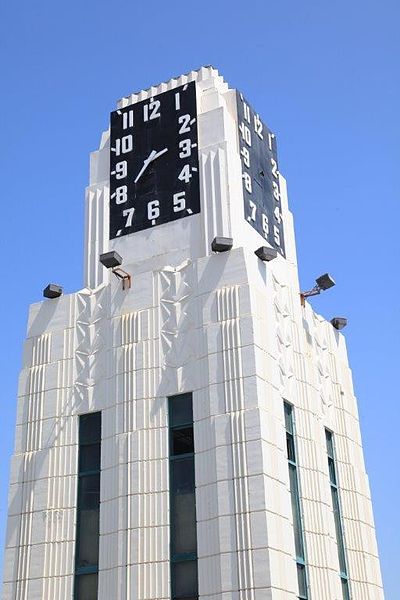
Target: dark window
(182, 499)
(302, 581)
(330, 448)
(184, 579)
(182, 441)
(295, 500)
(86, 587)
(89, 458)
(87, 547)
(88, 509)
(180, 410)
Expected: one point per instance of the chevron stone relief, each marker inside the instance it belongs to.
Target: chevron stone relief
(90, 349)
(178, 334)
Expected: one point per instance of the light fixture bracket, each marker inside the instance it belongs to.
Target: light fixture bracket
(124, 277)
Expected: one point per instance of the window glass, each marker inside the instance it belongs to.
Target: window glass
(345, 589)
(182, 475)
(329, 443)
(89, 458)
(332, 472)
(182, 441)
(89, 491)
(183, 532)
(288, 417)
(87, 545)
(90, 428)
(291, 454)
(180, 410)
(86, 587)
(302, 580)
(298, 537)
(184, 579)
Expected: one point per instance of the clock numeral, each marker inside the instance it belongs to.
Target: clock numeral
(276, 192)
(179, 201)
(153, 211)
(177, 101)
(123, 145)
(121, 170)
(246, 112)
(185, 121)
(246, 156)
(265, 225)
(185, 174)
(185, 147)
(246, 133)
(274, 168)
(247, 182)
(271, 137)
(253, 210)
(128, 213)
(277, 235)
(258, 126)
(151, 110)
(127, 119)
(120, 194)
(277, 214)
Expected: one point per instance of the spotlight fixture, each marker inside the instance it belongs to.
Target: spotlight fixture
(339, 322)
(112, 260)
(221, 244)
(324, 282)
(266, 254)
(52, 291)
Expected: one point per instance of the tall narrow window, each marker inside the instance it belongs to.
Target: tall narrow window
(296, 507)
(183, 541)
(88, 509)
(344, 576)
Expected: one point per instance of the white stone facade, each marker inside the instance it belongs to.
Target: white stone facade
(226, 327)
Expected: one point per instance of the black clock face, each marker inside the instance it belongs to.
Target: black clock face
(262, 200)
(154, 165)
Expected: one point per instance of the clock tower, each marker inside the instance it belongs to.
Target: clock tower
(193, 435)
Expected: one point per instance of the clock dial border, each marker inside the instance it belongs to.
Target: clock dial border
(260, 175)
(163, 131)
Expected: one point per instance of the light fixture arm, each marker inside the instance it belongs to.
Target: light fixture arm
(124, 276)
(314, 292)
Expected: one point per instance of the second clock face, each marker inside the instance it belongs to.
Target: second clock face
(261, 192)
(154, 167)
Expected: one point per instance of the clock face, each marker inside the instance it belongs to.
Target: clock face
(154, 165)
(262, 200)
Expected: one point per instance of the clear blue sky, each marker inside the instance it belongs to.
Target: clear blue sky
(324, 76)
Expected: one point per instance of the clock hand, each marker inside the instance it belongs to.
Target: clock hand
(152, 156)
(145, 165)
(157, 154)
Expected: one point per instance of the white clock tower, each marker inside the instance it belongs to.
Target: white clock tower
(187, 427)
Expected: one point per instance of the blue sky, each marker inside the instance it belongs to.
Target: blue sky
(325, 78)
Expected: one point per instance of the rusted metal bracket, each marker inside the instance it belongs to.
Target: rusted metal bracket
(124, 276)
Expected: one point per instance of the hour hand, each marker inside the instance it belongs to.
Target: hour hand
(145, 165)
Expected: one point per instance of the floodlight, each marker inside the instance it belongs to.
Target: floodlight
(266, 254)
(110, 260)
(339, 322)
(221, 244)
(324, 282)
(113, 260)
(52, 291)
